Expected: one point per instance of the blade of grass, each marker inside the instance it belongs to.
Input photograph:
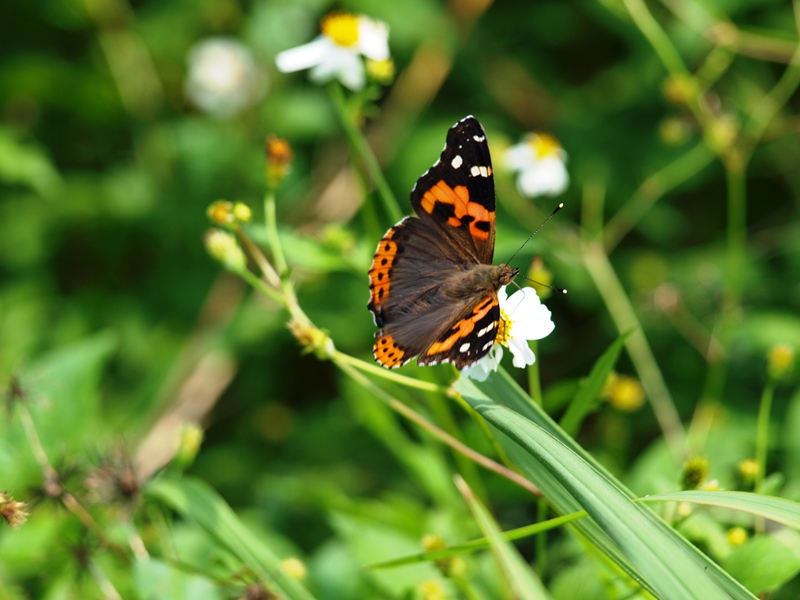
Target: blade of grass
(776, 509)
(638, 542)
(521, 577)
(584, 400)
(478, 544)
(196, 501)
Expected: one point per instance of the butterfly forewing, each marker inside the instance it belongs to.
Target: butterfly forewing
(456, 195)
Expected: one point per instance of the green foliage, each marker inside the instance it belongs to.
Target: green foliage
(207, 423)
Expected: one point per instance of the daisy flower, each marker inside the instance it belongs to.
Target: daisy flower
(337, 52)
(223, 78)
(541, 165)
(523, 317)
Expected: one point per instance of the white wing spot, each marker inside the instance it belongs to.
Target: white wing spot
(487, 346)
(479, 138)
(486, 330)
(480, 171)
(464, 347)
(457, 161)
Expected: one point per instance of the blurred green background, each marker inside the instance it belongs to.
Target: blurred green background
(107, 167)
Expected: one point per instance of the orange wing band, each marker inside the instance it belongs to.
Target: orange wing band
(458, 198)
(463, 328)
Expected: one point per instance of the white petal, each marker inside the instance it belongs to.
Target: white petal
(343, 64)
(522, 353)
(373, 39)
(305, 56)
(481, 369)
(502, 296)
(519, 156)
(546, 177)
(530, 319)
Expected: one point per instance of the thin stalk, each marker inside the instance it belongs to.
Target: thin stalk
(389, 375)
(441, 410)
(762, 432)
(534, 381)
(621, 311)
(271, 223)
(652, 189)
(437, 432)
(360, 144)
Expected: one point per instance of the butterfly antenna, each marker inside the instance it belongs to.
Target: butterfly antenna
(552, 287)
(530, 237)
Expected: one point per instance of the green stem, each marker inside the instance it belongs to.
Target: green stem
(443, 414)
(437, 432)
(674, 64)
(534, 381)
(621, 311)
(762, 432)
(541, 539)
(359, 143)
(652, 189)
(262, 286)
(389, 375)
(271, 223)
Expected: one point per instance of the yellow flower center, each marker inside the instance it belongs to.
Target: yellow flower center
(544, 145)
(503, 328)
(341, 27)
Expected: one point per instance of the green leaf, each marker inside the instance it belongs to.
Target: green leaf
(156, 579)
(27, 165)
(766, 562)
(776, 509)
(638, 541)
(522, 578)
(198, 502)
(478, 544)
(588, 393)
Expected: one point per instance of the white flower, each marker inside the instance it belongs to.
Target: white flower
(336, 54)
(540, 161)
(223, 77)
(523, 317)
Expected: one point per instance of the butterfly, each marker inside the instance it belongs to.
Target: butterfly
(433, 288)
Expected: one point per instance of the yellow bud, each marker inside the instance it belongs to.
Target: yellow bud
(748, 469)
(221, 212)
(540, 274)
(294, 568)
(381, 71)
(432, 590)
(674, 130)
(679, 89)
(623, 392)
(224, 247)
(736, 536)
(780, 361)
(242, 212)
(189, 445)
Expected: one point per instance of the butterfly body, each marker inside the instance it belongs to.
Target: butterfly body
(433, 288)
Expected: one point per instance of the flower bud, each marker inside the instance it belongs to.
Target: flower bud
(695, 471)
(279, 160)
(224, 247)
(780, 361)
